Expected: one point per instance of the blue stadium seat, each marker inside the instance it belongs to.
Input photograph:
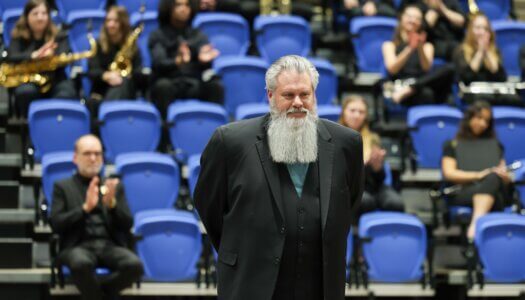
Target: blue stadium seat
(326, 92)
(133, 6)
(510, 36)
(68, 7)
(10, 4)
(495, 10)
(500, 241)
(194, 168)
(397, 246)
(9, 19)
(328, 111)
(369, 35)
(520, 178)
(432, 125)
(55, 125)
(282, 35)
(55, 166)
(349, 250)
(170, 245)
(250, 72)
(151, 180)
(193, 124)
(229, 33)
(150, 21)
(509, 123)
(129, 126)
(251, 110)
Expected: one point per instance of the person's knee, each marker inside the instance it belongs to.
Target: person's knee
(132, 267)
(368, 203)
(80, 265)
(391, 200)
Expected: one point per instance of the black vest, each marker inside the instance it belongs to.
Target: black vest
(301, 270)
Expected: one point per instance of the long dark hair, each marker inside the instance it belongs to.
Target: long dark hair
(166, 9)
(397, 38)
(125, 27)
(465, 132)
(22, 29)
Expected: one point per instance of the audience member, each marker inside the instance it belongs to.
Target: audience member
(376, 195)
(482, 174)
(180, 54)
(35, 37)
(354, 8)
(93, 222)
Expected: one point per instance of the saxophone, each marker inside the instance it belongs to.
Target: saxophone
(473, 7)
(16, 74)
(122, 63)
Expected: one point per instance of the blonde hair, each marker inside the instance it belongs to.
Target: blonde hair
(370, 138)
(470, 44)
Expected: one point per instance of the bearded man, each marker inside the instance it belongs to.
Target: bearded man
(277, 194)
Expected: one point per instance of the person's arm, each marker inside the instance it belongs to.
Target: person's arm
(426, 56)
(62, 218)
(491, 62)
(95, 68)
(120, 213)
(18, 51)
(211, 190)
(451, 172)
(452, 14)
(394, 63)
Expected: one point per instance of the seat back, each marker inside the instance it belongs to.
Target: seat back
(9, 19)
(251, 110)
(249, 71)
(510, 36)
(55, 125)
(495, 10)
(149, 18)
(229, 33)
(193, 124)
(509, 123)
(432, 126)
(134, 6)
(10, 4)
(500, 240)
(330, 112)
(326, 91)
(151, 180)
(194, 168)
(55, 166)
(397, 247)
(520, 178)
(170, 246)
(129, 126)
(282, 35)
(67, 7)
(369, 35)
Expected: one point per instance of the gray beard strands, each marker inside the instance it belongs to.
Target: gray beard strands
(293, 140)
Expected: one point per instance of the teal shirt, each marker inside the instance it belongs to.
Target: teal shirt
(298, 174)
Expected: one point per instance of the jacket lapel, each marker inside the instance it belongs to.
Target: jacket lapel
(326, 163)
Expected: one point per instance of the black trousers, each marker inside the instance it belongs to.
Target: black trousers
(26, 93)
(433, 87)
(385, 199)
(124, 91)
(166, 90)
(82, 260)
(490, 184)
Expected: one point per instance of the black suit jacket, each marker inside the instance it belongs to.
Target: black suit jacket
(67, 216)
(238, 197)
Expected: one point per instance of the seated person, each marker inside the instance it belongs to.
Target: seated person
(110, 84)
(35, 37)
(482, 174)
(180, 54)
(354, 8)
(522, 62)
(93, 229)
(376, 194)
(478, 57)
(409, 57)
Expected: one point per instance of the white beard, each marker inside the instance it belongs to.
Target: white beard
(293, 140)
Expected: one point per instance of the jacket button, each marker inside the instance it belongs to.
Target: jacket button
(276, 260)
(283, 229)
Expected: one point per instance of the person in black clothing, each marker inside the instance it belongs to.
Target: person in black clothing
(93, 226)
(484, 181)
(376, 195)
(180, 54)
(34, 37)
(107, 84)
(522, 62)
(410, 57)
(354, 8)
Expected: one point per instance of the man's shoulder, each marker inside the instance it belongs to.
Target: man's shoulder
(65, 182)
(339, 131)
(243, 130)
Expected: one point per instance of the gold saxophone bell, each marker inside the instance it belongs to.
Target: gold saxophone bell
(123, 61)
(473, 7)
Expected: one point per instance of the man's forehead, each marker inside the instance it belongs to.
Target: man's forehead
(293, 77)
(89, 143)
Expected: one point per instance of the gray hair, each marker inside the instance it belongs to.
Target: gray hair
(289, 63)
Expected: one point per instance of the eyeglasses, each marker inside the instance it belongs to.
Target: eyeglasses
(90, 153)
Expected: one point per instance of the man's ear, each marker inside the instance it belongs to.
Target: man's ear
(269, 95)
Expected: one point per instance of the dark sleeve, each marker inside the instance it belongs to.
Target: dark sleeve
(522, 62)
(373, 179)
(160, 60)
(386, 8)
(448, 149)
(356, 181)
(200, 40)
(18, 52)
(137, 62)
(120, 215)
(95, 68)
(61, 217)
(464, 72)
(211, 189)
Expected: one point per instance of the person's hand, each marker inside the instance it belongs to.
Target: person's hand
(112, 78)
(207, 53)
(48, 49)
(416, 40)
(349, 4)
(207, 4)
(108, 199)
(369, 9)
(502, 173)
(484, 41)
(91, 195)
(377, 158)
(433, 4)
(183, 55)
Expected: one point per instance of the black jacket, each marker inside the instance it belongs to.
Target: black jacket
(238, 197)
